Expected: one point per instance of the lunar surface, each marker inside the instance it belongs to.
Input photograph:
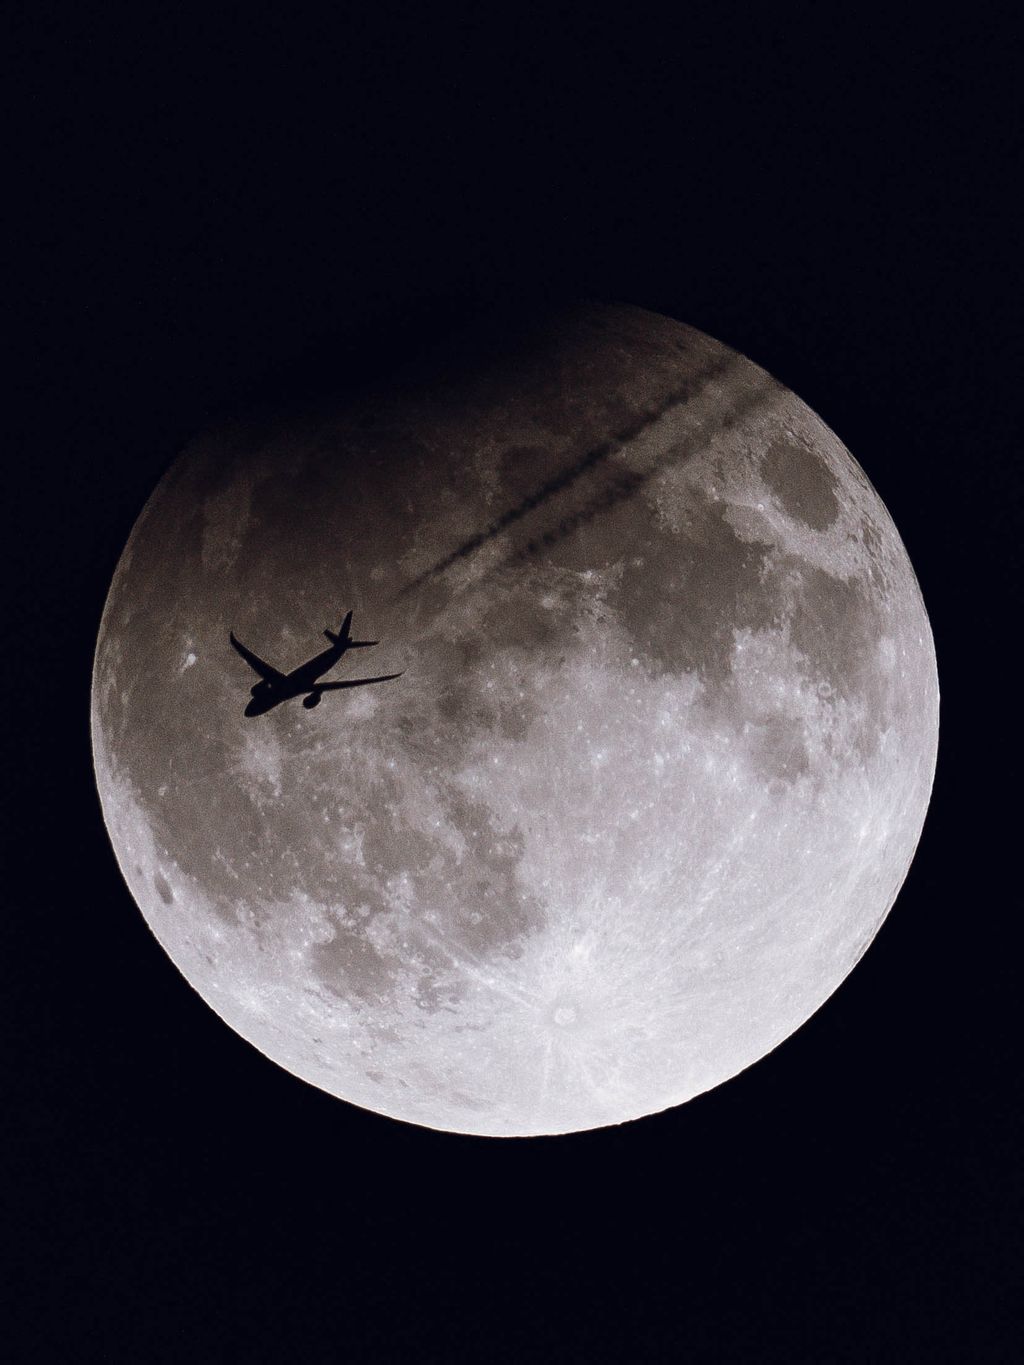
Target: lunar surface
(651, 778)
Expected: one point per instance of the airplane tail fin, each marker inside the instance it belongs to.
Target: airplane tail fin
(344, 636)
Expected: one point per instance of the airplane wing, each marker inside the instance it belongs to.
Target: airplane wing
(354, 682)
(256, 663)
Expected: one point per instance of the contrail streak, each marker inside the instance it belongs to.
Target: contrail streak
(693, 385)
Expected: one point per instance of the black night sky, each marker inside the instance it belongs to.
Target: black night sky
(211, 208)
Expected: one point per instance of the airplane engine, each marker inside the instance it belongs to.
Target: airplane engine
(312, 700)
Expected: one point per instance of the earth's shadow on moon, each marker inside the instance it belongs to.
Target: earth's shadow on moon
(656, 766)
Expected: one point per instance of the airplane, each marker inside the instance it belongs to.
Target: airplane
(275, 688)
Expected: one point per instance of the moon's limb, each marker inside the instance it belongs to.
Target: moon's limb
(651, 780)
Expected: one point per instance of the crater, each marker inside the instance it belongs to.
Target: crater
(163, 889)
(564, 1014)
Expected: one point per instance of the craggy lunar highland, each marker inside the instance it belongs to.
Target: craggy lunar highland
(651, 779)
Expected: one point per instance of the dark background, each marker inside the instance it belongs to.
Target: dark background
(208, 209)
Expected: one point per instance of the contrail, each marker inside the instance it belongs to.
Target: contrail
(631, 481)
(693, 385)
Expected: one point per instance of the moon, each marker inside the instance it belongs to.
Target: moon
(652, 776)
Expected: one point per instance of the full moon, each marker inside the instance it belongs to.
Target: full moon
(651, 777)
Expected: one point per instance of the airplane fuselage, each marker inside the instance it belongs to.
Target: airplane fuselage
(299, 682)
(275, 687)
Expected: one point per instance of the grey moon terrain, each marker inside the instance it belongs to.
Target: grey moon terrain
(651, 778)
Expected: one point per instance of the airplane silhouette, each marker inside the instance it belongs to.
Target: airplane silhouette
(275, 688)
